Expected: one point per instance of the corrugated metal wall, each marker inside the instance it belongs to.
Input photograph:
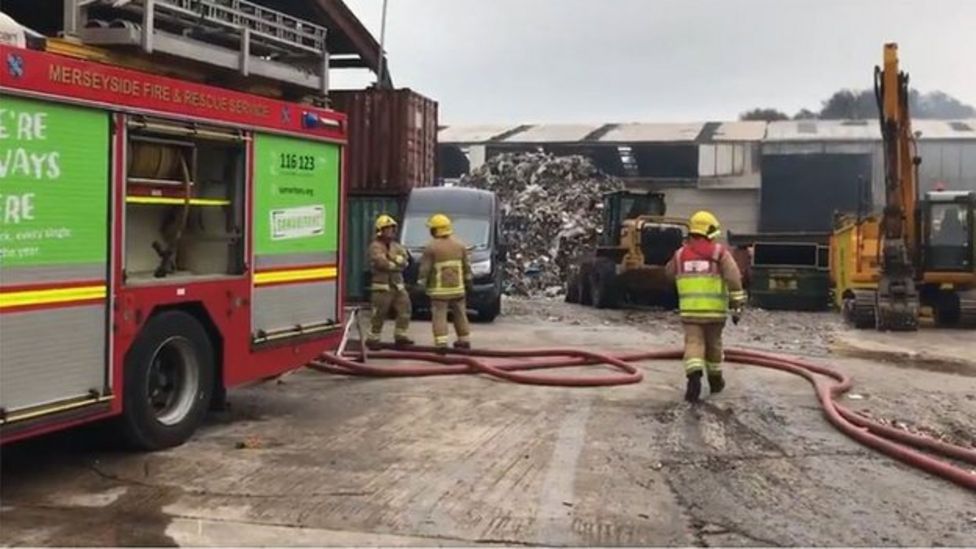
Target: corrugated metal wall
(736, 209)
(733, 165)
(392, 140)
(361, 214)
(951, 162)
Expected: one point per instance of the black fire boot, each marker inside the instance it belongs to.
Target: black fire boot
(441, 349)
(374, 344)
(402, 341)
(465, 345)
(716, 382)
(693, 391)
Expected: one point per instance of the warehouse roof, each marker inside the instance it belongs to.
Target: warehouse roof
(823, 130)
(646, 133)
(553, 133)
(945, 129)
(864, 130)
(697, 132)
(473, 134)
(753, 130)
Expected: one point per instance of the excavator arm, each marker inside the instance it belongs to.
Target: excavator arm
(897, 305)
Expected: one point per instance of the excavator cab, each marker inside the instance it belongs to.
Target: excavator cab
(948, 223)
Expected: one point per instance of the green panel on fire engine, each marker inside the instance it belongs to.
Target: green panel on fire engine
(53, 184)
(296, 196)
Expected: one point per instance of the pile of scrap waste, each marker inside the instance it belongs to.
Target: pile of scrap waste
(552, 208)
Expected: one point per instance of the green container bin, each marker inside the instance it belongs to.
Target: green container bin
(361, 213)
(790, 276)
(790, 288)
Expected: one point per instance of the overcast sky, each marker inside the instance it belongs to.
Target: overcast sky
(524, 61)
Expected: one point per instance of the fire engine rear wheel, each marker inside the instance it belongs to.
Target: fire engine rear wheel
(169, 380)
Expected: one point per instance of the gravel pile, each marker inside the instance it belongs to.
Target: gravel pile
(553, 214)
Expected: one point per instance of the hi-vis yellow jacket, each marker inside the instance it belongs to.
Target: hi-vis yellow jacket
(708, 280)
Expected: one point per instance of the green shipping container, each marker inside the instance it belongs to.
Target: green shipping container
(361, 213)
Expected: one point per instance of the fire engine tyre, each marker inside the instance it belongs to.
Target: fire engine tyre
(169, 380)
(603, 291)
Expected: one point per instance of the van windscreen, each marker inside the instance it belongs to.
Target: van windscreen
(469, 230)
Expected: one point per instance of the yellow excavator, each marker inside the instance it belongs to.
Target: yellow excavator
(918, 254)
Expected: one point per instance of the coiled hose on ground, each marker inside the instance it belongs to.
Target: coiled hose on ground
(827, 382)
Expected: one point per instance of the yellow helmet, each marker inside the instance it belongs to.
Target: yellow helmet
(440, 224)
(705, 224)
(384, 221)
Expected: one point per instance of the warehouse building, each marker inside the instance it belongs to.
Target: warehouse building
(697, 165)
(830, 166)
(812, 169)
(790, 175)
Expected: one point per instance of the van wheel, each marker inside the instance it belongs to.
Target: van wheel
(491, 312)
(169, 380)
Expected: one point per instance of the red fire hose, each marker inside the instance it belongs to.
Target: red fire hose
(883, 438)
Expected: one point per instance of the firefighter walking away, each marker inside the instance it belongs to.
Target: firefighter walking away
(445, 273)
(709, 288)
(387, 259)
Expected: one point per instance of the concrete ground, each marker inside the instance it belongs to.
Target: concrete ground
(330, 460)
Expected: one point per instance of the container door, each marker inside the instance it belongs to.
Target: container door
(296, 237)
(54, 204)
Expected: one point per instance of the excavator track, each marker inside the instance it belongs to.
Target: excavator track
(859, 310)
(967, 309)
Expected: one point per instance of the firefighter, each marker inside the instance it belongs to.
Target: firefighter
(445, 273)
(709, 285)
(387, 259)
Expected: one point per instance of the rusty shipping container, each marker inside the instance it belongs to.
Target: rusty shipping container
(392, 140)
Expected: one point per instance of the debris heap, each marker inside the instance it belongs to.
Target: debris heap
(553, 215)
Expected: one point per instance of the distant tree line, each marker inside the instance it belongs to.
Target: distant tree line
(861, 105)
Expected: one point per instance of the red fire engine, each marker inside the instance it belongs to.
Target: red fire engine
(160, 242)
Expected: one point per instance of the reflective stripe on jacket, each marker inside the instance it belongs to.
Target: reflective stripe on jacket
(444, 269)
(702, 290)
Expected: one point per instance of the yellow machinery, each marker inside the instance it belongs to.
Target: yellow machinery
(628, 266)
(916, 254)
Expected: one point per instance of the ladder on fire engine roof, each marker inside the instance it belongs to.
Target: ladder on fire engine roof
(234, 34)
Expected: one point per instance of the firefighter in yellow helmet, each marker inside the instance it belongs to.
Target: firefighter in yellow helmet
(709, 286)
(445, 273)
(387, 259)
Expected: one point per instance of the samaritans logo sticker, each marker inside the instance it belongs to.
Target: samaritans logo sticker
(296, 181)
(297, 222)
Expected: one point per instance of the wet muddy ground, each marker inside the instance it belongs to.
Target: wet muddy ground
(318, 459)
